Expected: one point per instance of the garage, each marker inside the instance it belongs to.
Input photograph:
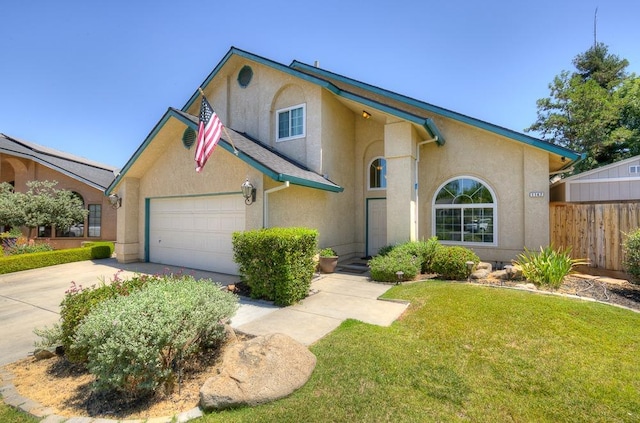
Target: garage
(195, 232)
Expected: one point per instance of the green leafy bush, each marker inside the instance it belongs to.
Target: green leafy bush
(139, 342)
(450, 262)
(9, 264)
(111, 245)
(79, 302)
(424, 251)
(631, 248)
(277, 263)
(328, 252)
(385, 268)
(100, 252)
(548, 267)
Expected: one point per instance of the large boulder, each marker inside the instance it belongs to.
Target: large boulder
(258, 371)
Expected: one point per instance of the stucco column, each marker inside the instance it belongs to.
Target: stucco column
(536, 199)
(399, 151)
(127, 235)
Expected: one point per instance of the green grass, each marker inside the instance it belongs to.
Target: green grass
(470, 353)
(465, 353)
(11, 415)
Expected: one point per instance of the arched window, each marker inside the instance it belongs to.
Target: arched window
(378, 173)
(464, 211)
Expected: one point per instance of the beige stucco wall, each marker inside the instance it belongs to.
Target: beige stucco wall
(509, 168)
(23, 170)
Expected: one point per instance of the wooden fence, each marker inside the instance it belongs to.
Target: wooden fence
(594, 231)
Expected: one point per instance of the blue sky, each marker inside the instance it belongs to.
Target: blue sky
(93, 78)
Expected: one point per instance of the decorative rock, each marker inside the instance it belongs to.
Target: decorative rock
(258, 371)
(484, 266)
(43, 354)
(481, 273)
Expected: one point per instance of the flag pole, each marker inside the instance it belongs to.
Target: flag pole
(224, 128)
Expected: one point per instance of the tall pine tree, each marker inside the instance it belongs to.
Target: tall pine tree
(593, 110)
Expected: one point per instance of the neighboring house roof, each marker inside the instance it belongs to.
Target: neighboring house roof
(94, 174)
(586, 174)
(387, 101)
(253, 152)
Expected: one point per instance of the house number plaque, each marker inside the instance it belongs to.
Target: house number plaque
(533, 194)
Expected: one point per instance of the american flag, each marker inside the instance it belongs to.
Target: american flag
(209, 131)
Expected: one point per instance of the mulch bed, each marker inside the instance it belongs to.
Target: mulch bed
(607, 290)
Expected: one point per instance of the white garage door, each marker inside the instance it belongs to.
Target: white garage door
(195, 232)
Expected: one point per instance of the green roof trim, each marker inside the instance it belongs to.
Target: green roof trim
(552, 148)
(173, 113)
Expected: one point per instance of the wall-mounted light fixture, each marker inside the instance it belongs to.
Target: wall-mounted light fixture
(115, 201)
(366, 114)
(248, 192)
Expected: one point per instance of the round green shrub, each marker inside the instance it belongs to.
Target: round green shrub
(631, 248)
(100, 252)
(451, 262)
(137, 343)
(384, 268)
(79, 302)
(424, 251)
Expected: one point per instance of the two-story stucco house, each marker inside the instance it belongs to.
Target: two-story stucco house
(365, 166)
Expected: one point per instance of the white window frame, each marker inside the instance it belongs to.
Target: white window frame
(302, 106)
(435, 207)
(383, 176)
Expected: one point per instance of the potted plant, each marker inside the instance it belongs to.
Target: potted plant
(328, 260)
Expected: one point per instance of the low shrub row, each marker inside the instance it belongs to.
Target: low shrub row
(16, 263)
(276, 263)
(413, 258)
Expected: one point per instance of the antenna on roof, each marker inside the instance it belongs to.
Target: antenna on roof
(595, 28)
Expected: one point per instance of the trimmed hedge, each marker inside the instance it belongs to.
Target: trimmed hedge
(276, 263)
(451, 262)
(110, 244)
(9, 264)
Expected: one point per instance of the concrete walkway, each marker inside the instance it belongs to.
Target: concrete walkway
(31, 299)
(338, 297)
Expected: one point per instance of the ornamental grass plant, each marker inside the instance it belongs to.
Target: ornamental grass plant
(548, 267)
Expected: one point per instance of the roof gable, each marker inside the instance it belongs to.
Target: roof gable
(253, 152)
(398, 105)
(92, 173)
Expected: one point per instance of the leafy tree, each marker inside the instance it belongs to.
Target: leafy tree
(593, 110)
(41, 205)
(9, 210)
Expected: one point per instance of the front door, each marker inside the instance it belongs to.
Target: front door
(376, 225)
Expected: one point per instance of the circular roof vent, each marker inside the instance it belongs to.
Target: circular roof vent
(244, 76)
(188, 137)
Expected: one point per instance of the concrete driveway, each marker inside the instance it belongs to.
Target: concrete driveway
(31, 299)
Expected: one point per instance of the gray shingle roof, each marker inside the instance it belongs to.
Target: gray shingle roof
(266, 159)
(92, 173)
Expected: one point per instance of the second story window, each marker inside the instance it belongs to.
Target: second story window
(290, 122)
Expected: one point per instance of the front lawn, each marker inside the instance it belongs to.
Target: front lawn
(471, 353)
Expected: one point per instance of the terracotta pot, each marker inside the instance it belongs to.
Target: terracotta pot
(328, 264)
